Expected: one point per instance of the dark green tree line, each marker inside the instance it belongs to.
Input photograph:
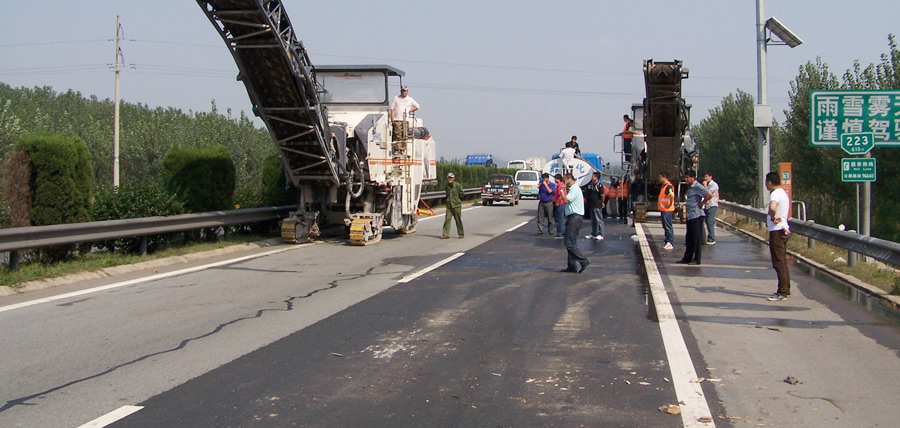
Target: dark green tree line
(146, 134)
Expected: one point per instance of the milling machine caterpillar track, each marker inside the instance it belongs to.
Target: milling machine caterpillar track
(331, 127)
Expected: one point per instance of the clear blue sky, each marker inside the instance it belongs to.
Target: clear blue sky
(511, 78)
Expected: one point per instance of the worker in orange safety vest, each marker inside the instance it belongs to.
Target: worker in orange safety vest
(623, 199)
(666, 205)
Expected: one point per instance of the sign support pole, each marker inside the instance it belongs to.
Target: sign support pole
(762, 98)
(865, 222)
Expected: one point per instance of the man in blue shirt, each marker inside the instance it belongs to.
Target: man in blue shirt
(574, 206)
(545, 204)
(696, 196)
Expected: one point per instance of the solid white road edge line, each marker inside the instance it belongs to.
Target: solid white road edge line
(147, 278)
(112, 416)
(413, 276)
(516, 226)
(684, 377)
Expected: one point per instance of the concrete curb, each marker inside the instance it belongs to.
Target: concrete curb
(888, 300)
(118, 270)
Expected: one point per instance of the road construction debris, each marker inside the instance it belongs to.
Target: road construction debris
(671, 409)
(335, 354)
(791, 380)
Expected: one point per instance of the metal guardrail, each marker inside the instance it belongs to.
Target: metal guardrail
(25, 238)
(17, 239)
(442, 194)
(879, 249)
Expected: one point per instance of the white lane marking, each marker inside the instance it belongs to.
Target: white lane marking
(413, 276)
(516, 226)
(112, 416)
(146, 279)
(684, 377)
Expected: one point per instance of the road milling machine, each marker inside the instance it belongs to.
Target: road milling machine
(661, 139)
(331, 127)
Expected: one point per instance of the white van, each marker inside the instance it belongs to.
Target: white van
(528, 181)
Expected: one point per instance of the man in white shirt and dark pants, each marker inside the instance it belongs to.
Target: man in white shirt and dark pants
(401, 107)
(711, 207)
(574, 206)
(779, 233)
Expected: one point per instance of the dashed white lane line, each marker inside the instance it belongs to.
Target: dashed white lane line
(111, 417)
(516, 226)
(415, 275)
(694, 410)
(147, 278)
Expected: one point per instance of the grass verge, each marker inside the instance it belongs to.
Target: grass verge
(33, 271)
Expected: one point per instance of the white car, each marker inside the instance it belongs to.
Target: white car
(528, 182)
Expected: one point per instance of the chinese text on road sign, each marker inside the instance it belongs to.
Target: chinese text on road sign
(833, 113)
(858, 169)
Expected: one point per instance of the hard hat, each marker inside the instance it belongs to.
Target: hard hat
(404, 88)
(450, 175)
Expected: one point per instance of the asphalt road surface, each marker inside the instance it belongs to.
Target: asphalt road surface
(481, 331)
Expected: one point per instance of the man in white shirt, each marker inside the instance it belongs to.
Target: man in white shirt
(567, 155)
(779, 233)
(711, 207)
(574, 211)
(401, 107)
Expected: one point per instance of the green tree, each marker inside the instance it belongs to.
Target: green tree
(817, 176)
(728, 143)
(200, 178)
(885, 198)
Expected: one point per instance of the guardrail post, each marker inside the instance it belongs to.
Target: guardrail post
(227, 232)
(143, 249)
(810, 243)
(851, 256)
(13, 260)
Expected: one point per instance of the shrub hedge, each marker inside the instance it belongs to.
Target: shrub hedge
(134, 201)
(202, 179)
(62, 179)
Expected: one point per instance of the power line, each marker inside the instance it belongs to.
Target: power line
(64, 42)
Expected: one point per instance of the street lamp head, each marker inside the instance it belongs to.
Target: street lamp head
(787, 36)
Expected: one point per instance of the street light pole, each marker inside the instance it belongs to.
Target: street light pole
(762, 99)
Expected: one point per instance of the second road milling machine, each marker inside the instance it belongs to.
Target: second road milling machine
(661, 139)
(331, 127)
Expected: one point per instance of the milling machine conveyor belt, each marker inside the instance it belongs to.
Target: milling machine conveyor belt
(279, 78)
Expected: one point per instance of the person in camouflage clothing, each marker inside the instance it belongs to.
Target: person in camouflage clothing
(454, 207)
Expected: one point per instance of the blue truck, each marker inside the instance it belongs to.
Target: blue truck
(480, 160)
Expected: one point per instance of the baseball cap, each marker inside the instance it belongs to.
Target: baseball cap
(404, 88)
(450, 175)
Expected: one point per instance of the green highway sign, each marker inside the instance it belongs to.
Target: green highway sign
(857, 143)
(834, 113)
(857, 170)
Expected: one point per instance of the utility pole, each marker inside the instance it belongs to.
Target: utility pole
(119, 60)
